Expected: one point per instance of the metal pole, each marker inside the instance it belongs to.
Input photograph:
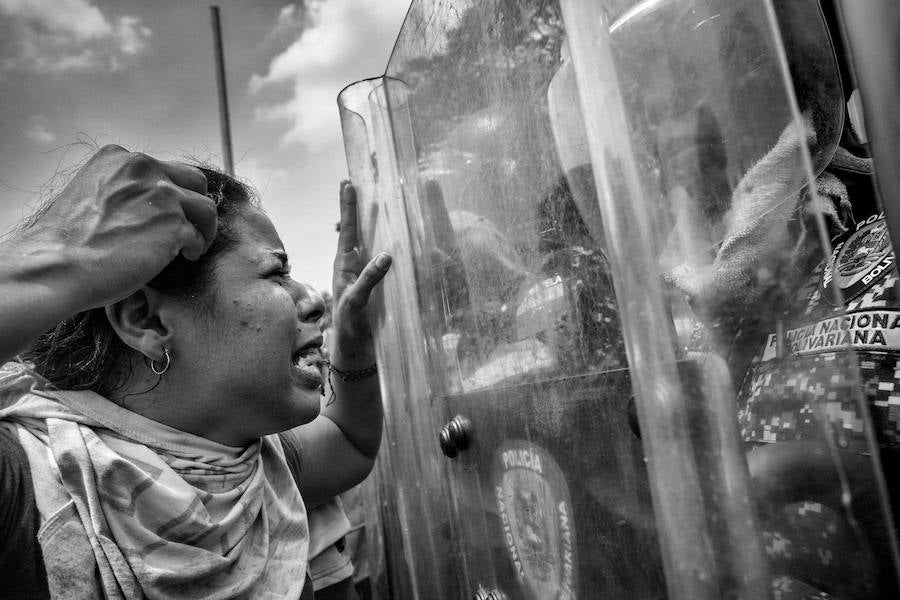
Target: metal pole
(224, 119)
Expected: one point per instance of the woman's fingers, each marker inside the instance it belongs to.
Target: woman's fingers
(347, 261)
(352, 284)
(357, 295)
(193, 242)
(184, 176)
(198, 218)
(348, 238)
(197, 207)
(201, 212)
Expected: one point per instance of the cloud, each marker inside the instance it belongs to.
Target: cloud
(131, 35)
(53, 36)
(261, 174)
(291, 20)
(340, 41)
(38, 130)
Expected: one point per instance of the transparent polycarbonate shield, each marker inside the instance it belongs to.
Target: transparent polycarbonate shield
(411, 493)
(525, 357)
(705, 139)
(641, 338)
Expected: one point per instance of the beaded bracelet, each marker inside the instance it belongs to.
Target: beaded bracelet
(353, 375)
(347, 376)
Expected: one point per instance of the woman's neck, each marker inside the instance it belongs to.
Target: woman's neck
(177, 404)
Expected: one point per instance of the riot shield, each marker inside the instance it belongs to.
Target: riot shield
(640, 338)
(407, 529)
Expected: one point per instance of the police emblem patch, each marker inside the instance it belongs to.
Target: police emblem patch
(856, 263)
(536, 514)
(811, 373)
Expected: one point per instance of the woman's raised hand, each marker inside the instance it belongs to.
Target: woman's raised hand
(121, 219)
(352, 285)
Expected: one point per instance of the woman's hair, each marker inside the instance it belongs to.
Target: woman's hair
(83, 352)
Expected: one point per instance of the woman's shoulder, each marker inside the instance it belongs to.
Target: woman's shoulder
(18, 380)
(16, 377)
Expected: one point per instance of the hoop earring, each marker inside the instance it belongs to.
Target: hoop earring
(165, 368)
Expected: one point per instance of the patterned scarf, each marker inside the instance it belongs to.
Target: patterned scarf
(167, 514)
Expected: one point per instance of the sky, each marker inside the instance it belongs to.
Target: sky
(81, 73)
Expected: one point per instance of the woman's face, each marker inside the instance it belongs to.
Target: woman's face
(251, 363)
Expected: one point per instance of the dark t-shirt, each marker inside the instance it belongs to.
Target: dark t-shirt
(22, 575)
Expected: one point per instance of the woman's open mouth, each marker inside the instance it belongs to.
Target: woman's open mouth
(307, 364)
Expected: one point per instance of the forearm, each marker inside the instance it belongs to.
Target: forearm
(329, 463)
(355, 407)
(38, 289)
(353, 396)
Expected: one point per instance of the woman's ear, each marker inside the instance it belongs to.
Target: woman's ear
(142, 323)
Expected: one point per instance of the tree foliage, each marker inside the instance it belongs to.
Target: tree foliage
(501, 53)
